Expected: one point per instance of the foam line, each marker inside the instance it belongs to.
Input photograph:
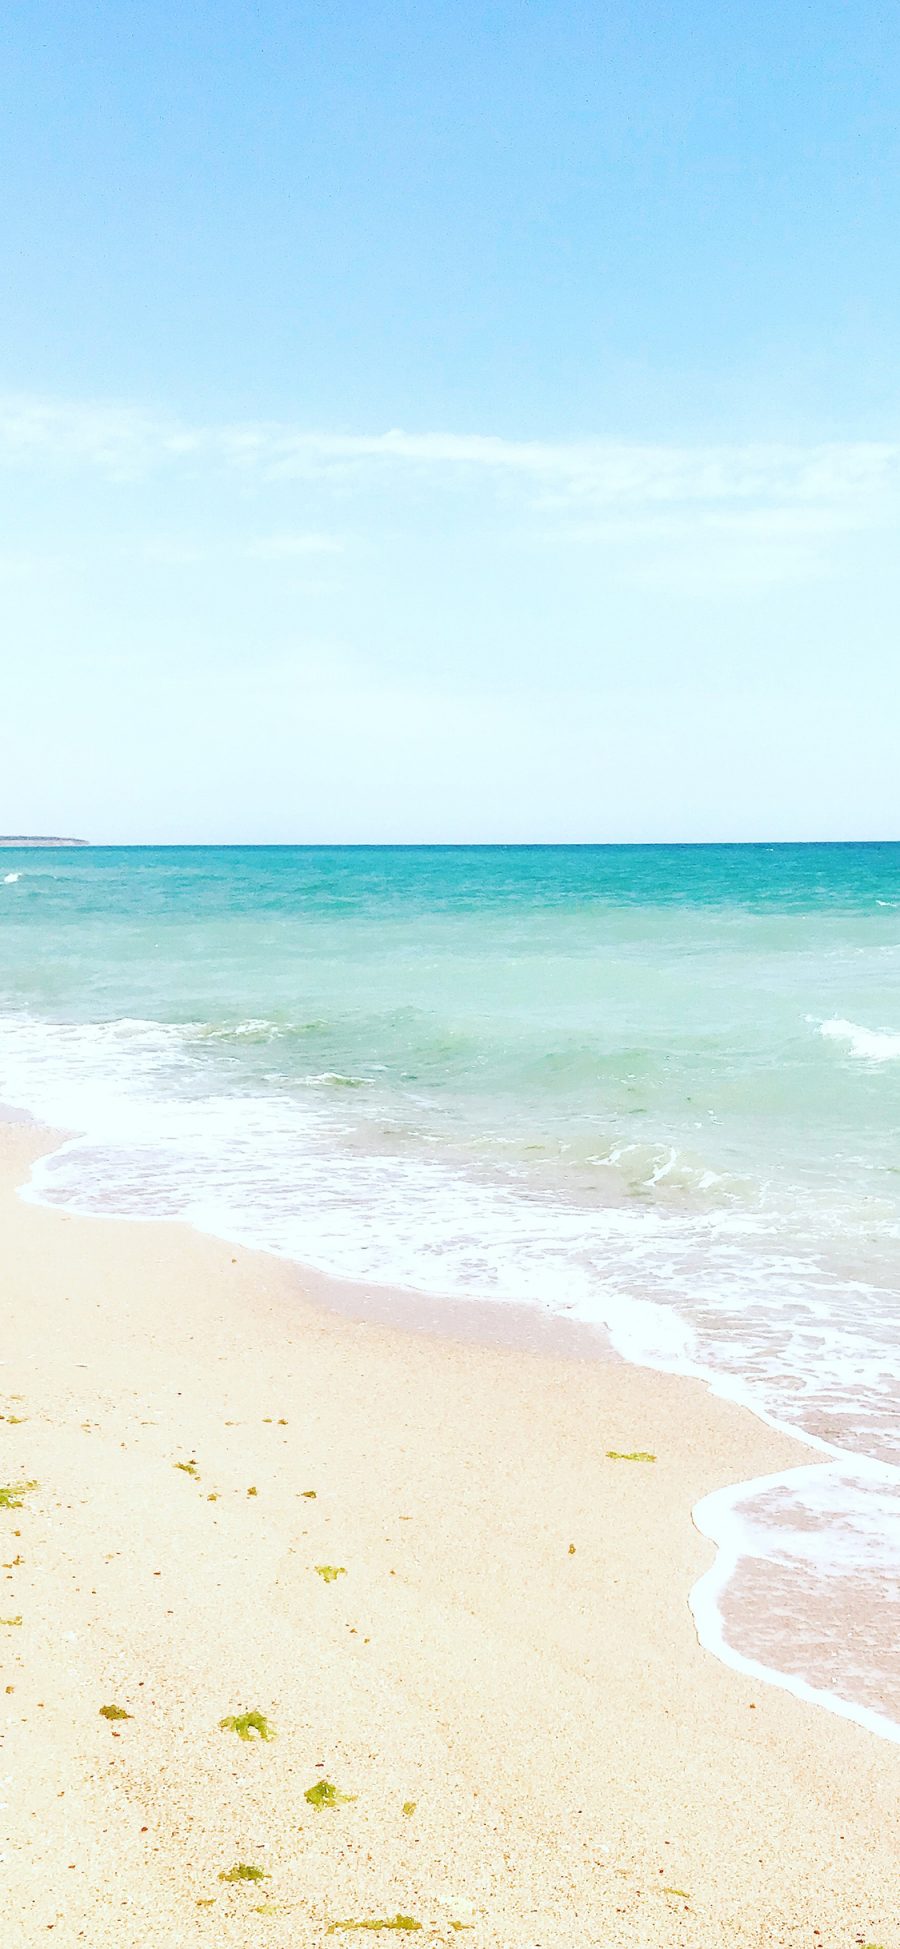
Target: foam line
(715, 1518)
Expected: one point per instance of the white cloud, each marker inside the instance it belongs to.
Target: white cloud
(600, 490)
(115, 439)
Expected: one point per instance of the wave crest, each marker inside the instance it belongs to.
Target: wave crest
(867, 1045)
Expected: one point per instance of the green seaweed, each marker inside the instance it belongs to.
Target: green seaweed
(114, 1712)
(636, 1455)
(244, 1871)
(324, 1794)
(409, 1807)
(682, 1893)
(396, 1922)
(16, 1420)
(10, 1620)
(247, 1723)
(462, 1925)
(11, 1495)
(253, 1492)
(329, 1572)
(187, 1468)
(267, 1908)
(309, 1494)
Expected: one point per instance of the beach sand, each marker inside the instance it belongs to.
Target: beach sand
(539, 1750)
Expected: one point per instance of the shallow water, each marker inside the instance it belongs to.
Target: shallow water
(653, 1088)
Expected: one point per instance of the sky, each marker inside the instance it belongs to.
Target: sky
(465, 421)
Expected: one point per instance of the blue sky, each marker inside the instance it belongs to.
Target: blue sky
(449, 421)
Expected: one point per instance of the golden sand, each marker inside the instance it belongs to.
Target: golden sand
(503, 1679)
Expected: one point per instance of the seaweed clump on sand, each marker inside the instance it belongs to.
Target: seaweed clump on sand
(11, 1495)
(325, 1794)
(114, 1712)
(244, 1871)
(245, 1724)
(636, 1455)
(329, 1572)
(394, 1922)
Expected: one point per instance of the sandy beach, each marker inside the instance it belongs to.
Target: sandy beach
(503, 1678)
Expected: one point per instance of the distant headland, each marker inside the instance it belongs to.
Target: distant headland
(35, 839)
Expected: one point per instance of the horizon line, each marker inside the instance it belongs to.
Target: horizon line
(51, 842)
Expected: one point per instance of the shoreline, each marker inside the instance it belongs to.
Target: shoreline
(576, 1759)
(524, 1328)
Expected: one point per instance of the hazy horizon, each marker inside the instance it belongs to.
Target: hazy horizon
(77, 842)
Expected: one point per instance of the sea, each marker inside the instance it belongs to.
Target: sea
(651, 1089)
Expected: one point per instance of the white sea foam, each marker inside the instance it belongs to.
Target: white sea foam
(868, 1045)
(9, 879)
(846, 1525)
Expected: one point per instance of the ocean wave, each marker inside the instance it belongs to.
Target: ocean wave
(333, 1079)
(644, 1167)
(867, 1045)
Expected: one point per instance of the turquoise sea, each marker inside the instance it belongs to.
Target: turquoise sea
(656, 1089)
